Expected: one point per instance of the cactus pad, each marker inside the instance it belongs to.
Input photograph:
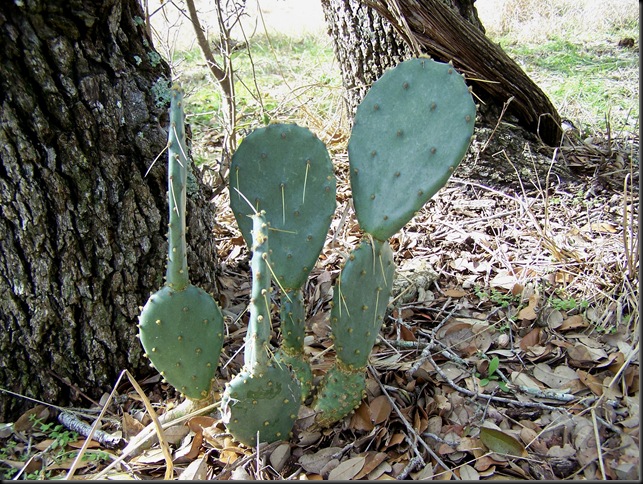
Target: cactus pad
(410, 132)
(264, 401)
(285, 170)
(182, 334)
(181, 325)
(265, 396)
(341, 392)
(292, 332)
(359, 301)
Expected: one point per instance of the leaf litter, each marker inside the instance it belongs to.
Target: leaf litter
(540, 278)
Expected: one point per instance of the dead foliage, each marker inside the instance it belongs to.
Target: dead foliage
(510, 349)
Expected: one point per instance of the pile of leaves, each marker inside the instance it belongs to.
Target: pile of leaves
(510, 349)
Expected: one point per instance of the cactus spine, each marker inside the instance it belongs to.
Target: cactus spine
(260, 404)
(181, 326)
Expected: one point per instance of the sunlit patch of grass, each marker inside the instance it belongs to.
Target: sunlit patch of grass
(586, 81)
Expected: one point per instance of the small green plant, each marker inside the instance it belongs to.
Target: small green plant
(500, 298)
(492, 375)
(569, 304)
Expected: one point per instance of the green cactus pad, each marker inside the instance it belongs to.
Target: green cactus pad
(410, 132)
(264, 401)
(341, 392)
(292, 333)
(285, 170)
(182, 334)
(360, 299)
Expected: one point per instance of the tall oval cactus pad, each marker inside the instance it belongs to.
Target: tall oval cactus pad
(360, 298)
(181, 326)
(340, 392)
(285, 170)
(264, 402)
(182, 334)
(410, 132)
(359, 305)
(293, 326)
(264, 398)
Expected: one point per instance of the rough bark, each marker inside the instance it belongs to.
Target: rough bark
(82, 229)
(444, 34)
(365, 46)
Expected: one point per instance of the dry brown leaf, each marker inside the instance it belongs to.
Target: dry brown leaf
(455, 293)
(347, 469)
(361, 418)
(560, 377)
(529, 312)
(530, 339)
(573, 322)
(380, 409)
(591, 382)
(131, 427)
(372, 460)
(314, 463)
(26, 421)
(583, 354)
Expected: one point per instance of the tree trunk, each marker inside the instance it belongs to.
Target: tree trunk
(365, 46)
(83, 115)
(447, 30)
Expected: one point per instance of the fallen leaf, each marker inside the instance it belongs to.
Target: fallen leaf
(529, 312)
(346, 470)
(560, 377)
(501, 442)
(380, 409)
(468, 473)
(27, 420)
(196, 471)
(591, 382)
(372, 460)
(362, 418)
(455, 293)
(573, 322)
(280, 456)
(315, 462)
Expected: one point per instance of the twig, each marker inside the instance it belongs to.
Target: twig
(72, 422)
(484, 396)
(599, 450)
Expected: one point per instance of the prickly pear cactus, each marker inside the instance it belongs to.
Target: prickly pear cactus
(410, 133)
(359, 304)
(181, 326)
(261, 403)
(285, 170)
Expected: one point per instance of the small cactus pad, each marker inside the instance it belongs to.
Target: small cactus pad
(285, 170)
(360, 299)
(177, 262)
(292, 332)
(182, 334)
(263, 401)
(410, 132)
(341, 392)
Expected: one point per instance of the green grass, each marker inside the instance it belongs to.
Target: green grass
(587, 82)
(576, 61)
(277, 77)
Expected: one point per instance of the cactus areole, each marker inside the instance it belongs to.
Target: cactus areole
(181, 325)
